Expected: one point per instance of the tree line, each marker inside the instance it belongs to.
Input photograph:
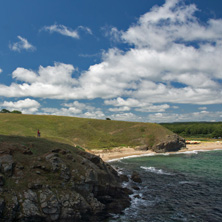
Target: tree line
(7, 111)
(196, 129)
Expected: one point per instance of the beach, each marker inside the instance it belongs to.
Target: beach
(121, 152)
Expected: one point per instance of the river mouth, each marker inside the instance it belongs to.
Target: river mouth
(186, 187)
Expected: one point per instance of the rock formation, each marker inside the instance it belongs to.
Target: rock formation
(56, 183)
(170, 143)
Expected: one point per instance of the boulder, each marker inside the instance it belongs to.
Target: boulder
(136, 177)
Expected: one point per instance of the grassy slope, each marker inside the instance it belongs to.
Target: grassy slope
(88, 133)
(39, 148)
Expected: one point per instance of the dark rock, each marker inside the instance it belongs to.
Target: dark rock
(136, 177)
(2, 206)
(135, 188)
(69, 191)
(7, 164)
(27, 152)
(35, 186)
(2, 180)
(56, 150)
(63, 152)
(124, 178)
(169, 144)
(65, 173)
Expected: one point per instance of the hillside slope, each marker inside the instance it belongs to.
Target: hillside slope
(87, 133)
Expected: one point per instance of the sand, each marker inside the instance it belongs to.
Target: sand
(121, 152)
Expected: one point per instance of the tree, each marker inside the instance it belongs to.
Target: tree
(5, 111)
(16, 111)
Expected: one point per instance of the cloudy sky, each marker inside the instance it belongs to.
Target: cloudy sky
(133, 60)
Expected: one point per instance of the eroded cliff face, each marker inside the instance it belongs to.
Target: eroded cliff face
(169, 143)
(57, 185)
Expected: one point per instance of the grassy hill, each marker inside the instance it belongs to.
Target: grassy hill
(87, 133)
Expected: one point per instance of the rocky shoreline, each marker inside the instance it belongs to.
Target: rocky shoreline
(58, 185)
(47, 181)
(172, 143)
(127, 152)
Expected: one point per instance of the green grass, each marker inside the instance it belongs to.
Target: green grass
(39, 147)
(87, 133)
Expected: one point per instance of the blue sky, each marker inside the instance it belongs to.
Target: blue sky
(146, 60)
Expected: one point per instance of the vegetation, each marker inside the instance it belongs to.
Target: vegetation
(87, 133)
(196, 129)
(7, 111)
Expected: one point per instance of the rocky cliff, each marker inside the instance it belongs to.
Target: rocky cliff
(169, 143)
(46, 181)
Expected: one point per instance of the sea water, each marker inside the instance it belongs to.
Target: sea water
(181, 187)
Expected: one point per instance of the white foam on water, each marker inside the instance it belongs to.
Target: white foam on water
(155, 170)
(188, 182)
(161, 154)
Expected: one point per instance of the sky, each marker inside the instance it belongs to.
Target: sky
(131, 60)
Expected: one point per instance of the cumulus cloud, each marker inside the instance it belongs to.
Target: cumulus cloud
(139, 105)
(173, 58)
(63, 30)
(187, 117)
(48, 82)
(202, 108)
(76, 109)
(120, 109)
(25, 106)
(22, 44)
(127, 117)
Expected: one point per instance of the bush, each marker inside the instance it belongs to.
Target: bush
(16, 111)
(5, 111)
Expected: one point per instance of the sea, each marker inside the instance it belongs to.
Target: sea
(185, 187)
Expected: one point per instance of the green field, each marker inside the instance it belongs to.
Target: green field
(87, 133)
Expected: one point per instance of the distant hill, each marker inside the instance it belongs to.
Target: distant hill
(87, 133)
(196, 129)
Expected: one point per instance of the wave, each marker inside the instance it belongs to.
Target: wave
(161, 154)
(155, 170)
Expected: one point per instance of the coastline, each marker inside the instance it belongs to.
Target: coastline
(127, 152)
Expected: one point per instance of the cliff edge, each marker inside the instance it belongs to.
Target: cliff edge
(42, 180)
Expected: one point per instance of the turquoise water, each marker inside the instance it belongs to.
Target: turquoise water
(180, 187)
(205, 165)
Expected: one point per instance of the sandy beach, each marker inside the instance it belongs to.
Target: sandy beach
(121, 152)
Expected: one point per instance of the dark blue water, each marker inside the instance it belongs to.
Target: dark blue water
(181, 187)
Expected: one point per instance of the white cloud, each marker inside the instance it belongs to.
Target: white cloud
(63, 30)
(48, 82)
(94, 115)
(122, 102)
(127, 117)
(22, 44)
(25, 106)
(187, 117)
(139, 105)
(154, 108)
(76, 109)
(113, 33)
(120, 109)
(1, 70)
(202, 108)
(169, 23)
(162, 66)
